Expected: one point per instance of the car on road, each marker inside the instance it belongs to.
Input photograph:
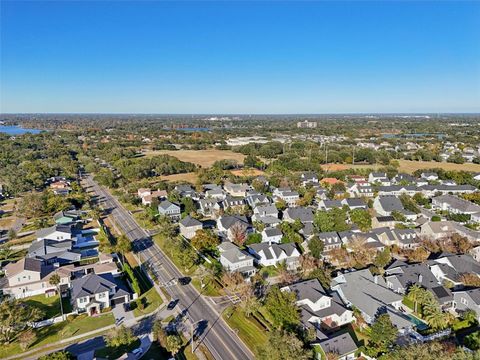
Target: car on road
(137, 352)
(184, 280)
(171, 305)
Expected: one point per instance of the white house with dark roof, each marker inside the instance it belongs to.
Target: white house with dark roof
(385, 205)
(329, 204)
(271, 235)
(378, 178)
(340, 344)
(209, 207)
(236, 190)
(429, 176)
(467, 300)
(455, 205)
(225, 224)
(235, 260)
(287, 195)
(167, 208)
(318, 308)
(354, 203)
(273, 254)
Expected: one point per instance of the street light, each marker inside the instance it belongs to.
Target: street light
(192, 327)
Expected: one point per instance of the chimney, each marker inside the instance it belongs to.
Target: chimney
(375, 279)
(420, 278)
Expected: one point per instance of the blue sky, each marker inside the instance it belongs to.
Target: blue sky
(240, 57)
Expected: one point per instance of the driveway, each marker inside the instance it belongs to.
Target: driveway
(122, 316)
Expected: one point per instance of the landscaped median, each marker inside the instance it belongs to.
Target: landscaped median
(49, 334)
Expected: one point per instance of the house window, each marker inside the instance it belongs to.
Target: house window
(464, 301)
(101, 295)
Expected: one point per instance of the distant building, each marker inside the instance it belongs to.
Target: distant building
(306, 124)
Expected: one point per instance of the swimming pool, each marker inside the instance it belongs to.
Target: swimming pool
(419, 324)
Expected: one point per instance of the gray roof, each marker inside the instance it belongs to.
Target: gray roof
(272, 232)
(89, 285)
(390, 203)
(309, 289)
(355, 202)
(370, 294)
(42, 233)
(228, 221)
(165, 205)
(329, 204)
(32, 265)
(455, 202)
(342, 344)
(330, 237)
(270, 250)
(234, 255)
(301, 213)
(189, 221)
(267, 209)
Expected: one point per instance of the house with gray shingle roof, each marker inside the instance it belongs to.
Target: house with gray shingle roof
(93, 292)
(271, 235)
(189, 226)
(169, 209)
(304, 214)
(371, 295)
(235, 260)
(340, 344)
(454, 205)
(318, 308)
(273, 254)
(467, 300)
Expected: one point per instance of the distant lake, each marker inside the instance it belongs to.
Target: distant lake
(17, 130)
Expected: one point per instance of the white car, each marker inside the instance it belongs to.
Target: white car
(137, 352)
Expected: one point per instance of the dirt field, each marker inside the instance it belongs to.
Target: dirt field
(188, 177)
(247, 172)
(409, 166)
(204, 158)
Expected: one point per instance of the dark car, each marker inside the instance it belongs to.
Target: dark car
(171, 305)
(184, 280)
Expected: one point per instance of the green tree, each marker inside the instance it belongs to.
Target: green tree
(383, 258)
(119, 336)
(361, 218)
(123, 245)
(174, 343)
(58, 355)
(55, 281)
(382, 335)
(316, 247)
(15, 317)
(282, 307)
(283, 346)
(416, 294)
(205, 239)
(472, 341)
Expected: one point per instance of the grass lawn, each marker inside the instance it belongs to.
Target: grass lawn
(152, 301)
(60, 331)
(271, 271)
(211, 288)
(461, 324)
(160, 241)
(408, 303)
(48, 305)
(116, 352)
(248, 329)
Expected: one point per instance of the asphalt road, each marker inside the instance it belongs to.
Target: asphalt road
(220, 340)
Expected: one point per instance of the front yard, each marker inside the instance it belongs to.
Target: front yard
(151, 300)
(60, 331)
(116, 352)
(50, 306)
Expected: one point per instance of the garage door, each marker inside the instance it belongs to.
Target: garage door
(119, 300)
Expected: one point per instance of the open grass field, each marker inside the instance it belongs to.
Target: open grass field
(409, 166)
(185, 177)
(50, 306)
(204, 158)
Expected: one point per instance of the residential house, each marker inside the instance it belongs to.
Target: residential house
(93, 293)
(287, 195)
(186, 191)
(467, 300)
(327, 205)
(435, 230)
(383, 221)
(400, 276)
(360, 189)
(434, 190)
(304, 214)
(318, 308)
(67, 217)
(308, 178)
(340, 344)
(256, 199)
(57, 232)
(271, 235)
(216, 193)
(454, 204)
(167, 208)
(273, 254)
(429, 176)
(378, 178)
(387, 204)
(231, 202)
(209, 207)
(450, 267)
(354, 203)
(374, 297)
(403, 238)
(53, 251)
(235, 260)
(189, 226)
(229, 224)
(397, 190)
(237, 190)
(29, 277)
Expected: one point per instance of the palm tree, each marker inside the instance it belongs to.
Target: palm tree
(436, 320)
(416, 294)
(5, 253)
(55, 281)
